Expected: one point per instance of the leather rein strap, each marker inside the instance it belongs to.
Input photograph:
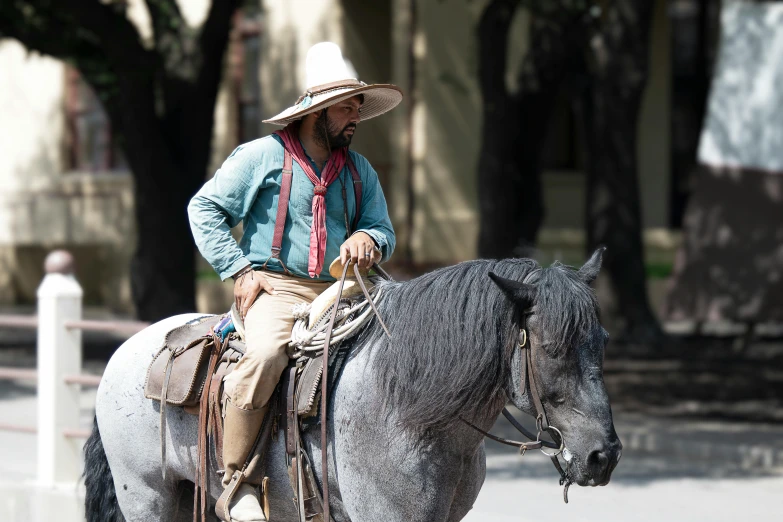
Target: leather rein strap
(325, 371)
(325, 396)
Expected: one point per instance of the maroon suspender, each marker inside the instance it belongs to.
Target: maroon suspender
(282, 204)
(285, 194)
(357, 192)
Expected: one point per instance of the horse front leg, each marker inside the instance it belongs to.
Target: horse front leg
(473, 474)
(387, 478)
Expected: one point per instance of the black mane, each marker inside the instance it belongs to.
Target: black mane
(453, 332)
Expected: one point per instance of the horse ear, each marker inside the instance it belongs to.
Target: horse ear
(518, 292)
(590, 270)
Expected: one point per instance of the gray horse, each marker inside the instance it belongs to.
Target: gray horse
(398, 450)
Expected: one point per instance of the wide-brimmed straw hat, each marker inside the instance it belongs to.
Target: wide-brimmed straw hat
(330, 79)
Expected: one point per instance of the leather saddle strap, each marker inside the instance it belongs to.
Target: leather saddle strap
(300, 506)
(216, 420)
(202, 480)
(163, 396)
(357, 192)
(289, 388)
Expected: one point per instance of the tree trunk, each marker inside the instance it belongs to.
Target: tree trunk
(163, 269)
(514, 128)
(169, 161)
(613, 79)
(167, 138)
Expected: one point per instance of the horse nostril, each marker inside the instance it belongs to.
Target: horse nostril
(597, 463)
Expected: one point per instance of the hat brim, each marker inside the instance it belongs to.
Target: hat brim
(378, 99)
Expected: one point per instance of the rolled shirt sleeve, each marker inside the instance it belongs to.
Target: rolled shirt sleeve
(220, 205)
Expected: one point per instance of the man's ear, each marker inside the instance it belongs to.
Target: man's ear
(315, 115)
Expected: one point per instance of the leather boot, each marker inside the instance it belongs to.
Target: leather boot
(240, 431)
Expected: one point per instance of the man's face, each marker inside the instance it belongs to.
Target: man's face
(340, 122)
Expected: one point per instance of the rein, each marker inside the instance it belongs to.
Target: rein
(542, 423)
(325, 372)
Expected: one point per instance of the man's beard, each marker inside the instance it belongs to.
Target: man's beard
(336, 137)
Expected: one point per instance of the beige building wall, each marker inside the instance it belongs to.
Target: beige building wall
(41, 207)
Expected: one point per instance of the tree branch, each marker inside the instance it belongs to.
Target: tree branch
(212, 42)
(558, 10)
(166, 17)
(35, 23)
(116, 34)
(627, 33)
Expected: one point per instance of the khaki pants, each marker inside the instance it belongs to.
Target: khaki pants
(267, 334)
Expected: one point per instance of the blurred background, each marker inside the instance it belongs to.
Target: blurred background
(529, 128)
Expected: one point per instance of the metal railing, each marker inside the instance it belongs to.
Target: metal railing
(59, 324)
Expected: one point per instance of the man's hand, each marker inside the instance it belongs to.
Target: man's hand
(246, 289)
(359, 248)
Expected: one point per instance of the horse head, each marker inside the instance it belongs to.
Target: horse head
(558, 313)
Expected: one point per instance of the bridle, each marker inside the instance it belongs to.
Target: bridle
(526, 376)
(542, 422)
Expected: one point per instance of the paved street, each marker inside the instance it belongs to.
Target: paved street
(655, 498)
(671, 469)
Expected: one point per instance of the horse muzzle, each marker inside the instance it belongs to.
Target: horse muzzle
(599, 464)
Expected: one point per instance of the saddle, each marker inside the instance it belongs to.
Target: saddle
(189, 369)
(178, 373)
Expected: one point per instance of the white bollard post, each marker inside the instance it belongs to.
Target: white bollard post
(59, 354)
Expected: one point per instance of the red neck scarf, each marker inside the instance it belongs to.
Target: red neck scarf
(330, 172)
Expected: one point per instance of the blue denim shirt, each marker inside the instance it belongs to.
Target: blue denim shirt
(246, 189)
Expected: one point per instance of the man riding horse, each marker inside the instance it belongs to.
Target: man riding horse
(277, 265)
